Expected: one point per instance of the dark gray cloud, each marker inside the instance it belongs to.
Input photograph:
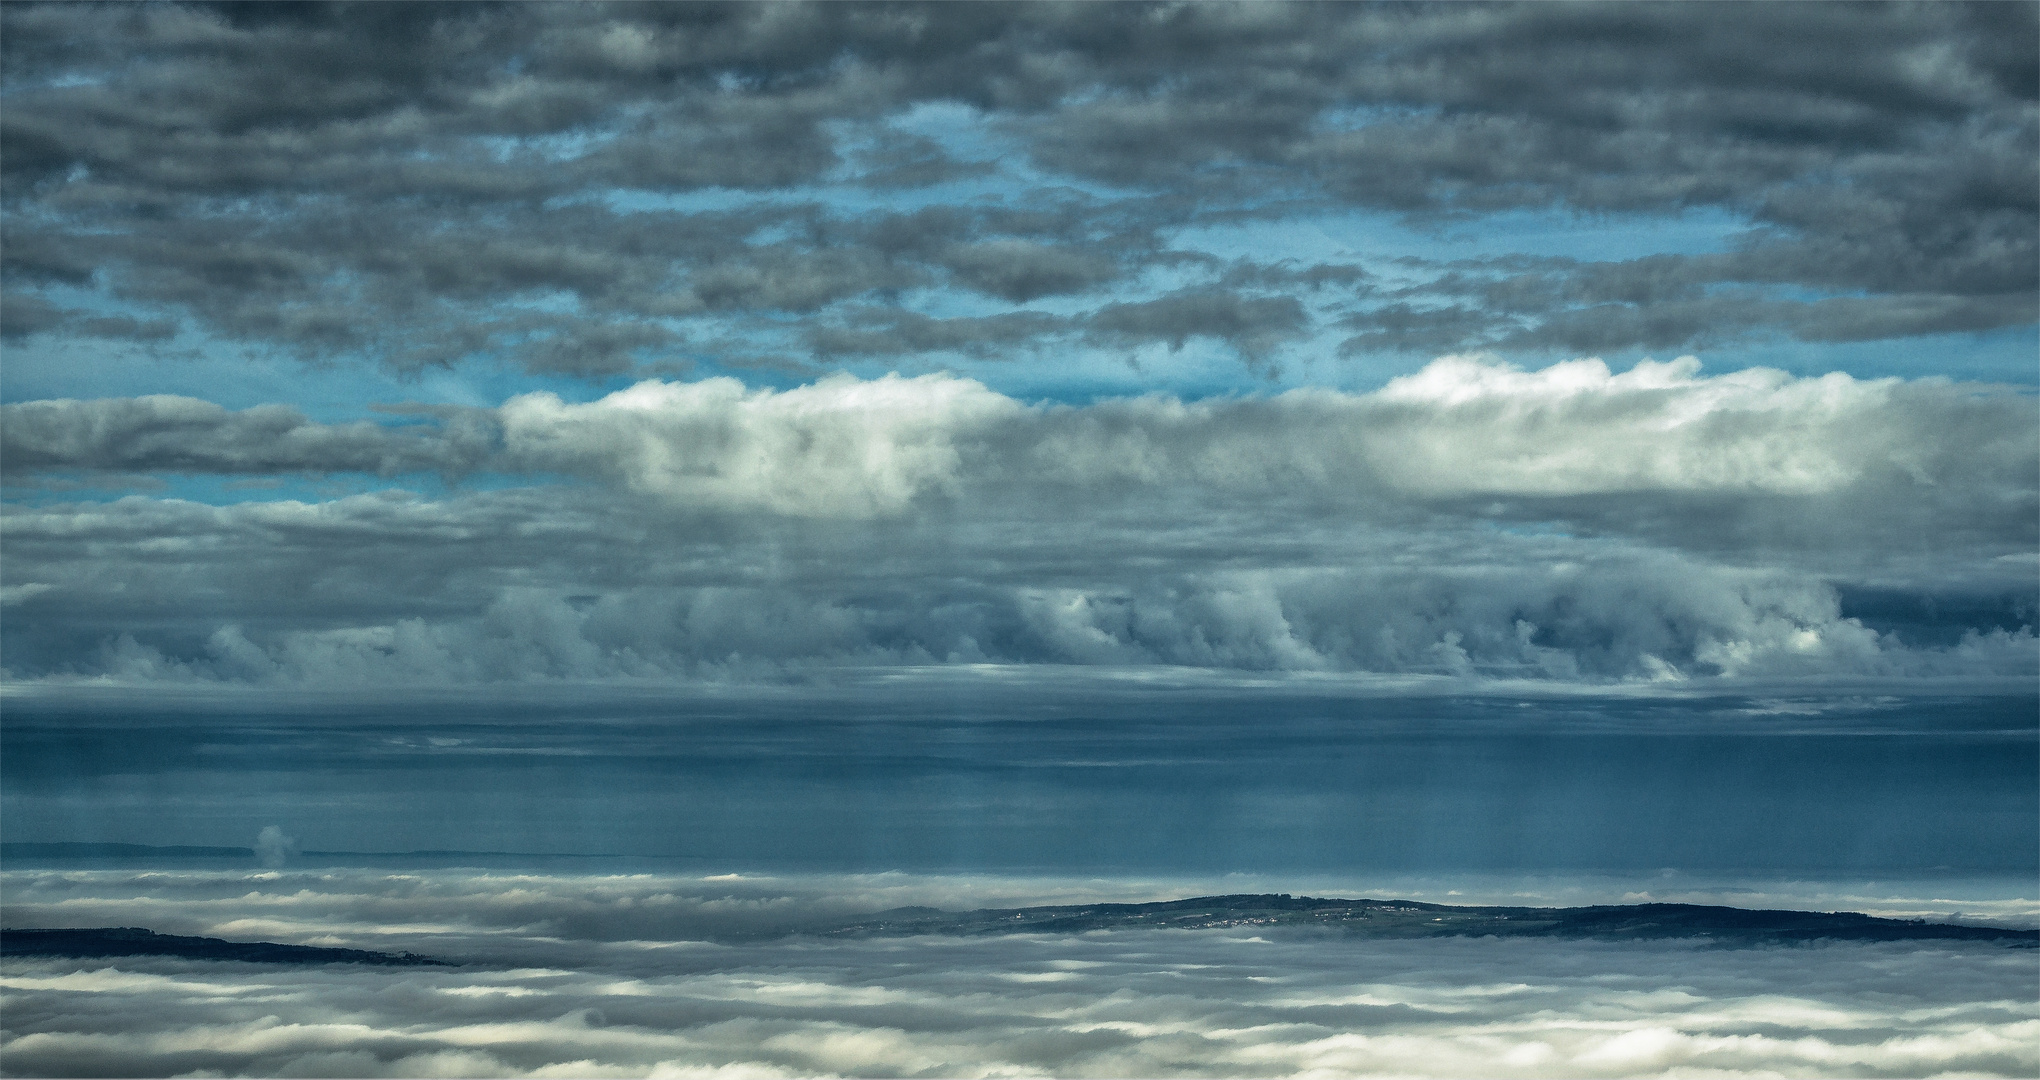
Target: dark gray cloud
(1252, 325)
(894, 332)
(415, 183)
(173, 434)
(1661, 302)
(22, 314)
(1019, 271)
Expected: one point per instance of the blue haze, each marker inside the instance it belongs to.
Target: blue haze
(1933, 786)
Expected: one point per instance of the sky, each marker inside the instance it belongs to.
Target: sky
(829, 361)
(570, 487)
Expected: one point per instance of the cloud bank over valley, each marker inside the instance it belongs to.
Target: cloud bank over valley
(1469, 519)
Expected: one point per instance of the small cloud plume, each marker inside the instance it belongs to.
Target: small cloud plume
(274, 847)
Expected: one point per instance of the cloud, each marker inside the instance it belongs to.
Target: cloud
(1462, 427)
(445, 187)
(1019, 271)
(891, 332)
(164, 433)
(840, 446)
(1471, 519)
(1648, 620)
(596, 975)
(1251, 325)
(1517, 304)
(273, 848)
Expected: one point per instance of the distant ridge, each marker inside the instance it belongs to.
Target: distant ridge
(1376, 919)
(110, 941)
(15, 850)
(1414, 919)
(71, 850)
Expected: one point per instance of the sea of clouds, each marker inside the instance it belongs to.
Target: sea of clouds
(692, 975)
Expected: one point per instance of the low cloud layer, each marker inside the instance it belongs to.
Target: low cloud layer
(561, 987)
(1472, 519)
(1463, 426)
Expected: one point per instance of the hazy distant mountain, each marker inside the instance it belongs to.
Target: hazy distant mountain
(135, 941)
(17, 850)
(70, 850)
(1409, 918)
(1358, 918)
